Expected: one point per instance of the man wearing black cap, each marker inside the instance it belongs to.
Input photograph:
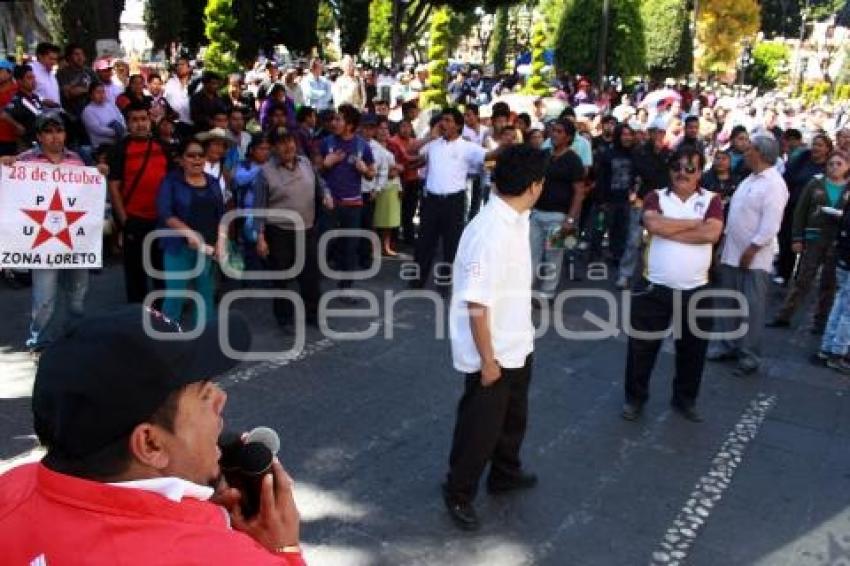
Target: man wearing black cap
(131, 473)
(46, 283)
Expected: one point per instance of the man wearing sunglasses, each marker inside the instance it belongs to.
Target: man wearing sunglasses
(684, 222)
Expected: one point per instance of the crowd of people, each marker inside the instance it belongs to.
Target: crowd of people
(672, 189)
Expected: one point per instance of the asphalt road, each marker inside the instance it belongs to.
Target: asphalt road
(366, 427)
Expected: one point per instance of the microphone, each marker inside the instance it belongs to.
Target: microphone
(245, 460)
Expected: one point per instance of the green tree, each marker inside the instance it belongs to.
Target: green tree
(721, 26)
(83, 21)
(579, 33)
(667, 38)
(537, 83)
(352, 18)
(771, 61)
(379, 40)
(220, 26)
(163, 20)
(192, 32)
(438, 57)
(500, 39)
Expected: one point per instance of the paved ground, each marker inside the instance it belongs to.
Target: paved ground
(366, 428)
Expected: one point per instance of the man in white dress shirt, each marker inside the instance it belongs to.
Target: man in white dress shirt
(755, 215)
(450, 160)
(46, 85)
(316, 88)
(492, 337)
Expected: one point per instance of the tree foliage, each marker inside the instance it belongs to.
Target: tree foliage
(771, 61)
(579, 35)
(500, 39)
(438, 57)
(192, 32)
(536, 83)
(83, 21)
(379, 40)
(163, 22)
(220, 25)
(667, 37)
(353, 22)
(721, 26)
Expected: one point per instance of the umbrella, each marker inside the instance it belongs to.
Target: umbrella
(657, 97)
(587, 109)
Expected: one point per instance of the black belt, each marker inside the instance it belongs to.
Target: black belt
(429, 194)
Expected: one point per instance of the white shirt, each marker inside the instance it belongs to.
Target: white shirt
(755, 215)
(177, 97)
(173, 489)
(46, 85)
(317, 92)
(493, 268)
(384, 160)
(215, 171)
(450, 163)
(678, 265)
(349, 90)
(479, 137)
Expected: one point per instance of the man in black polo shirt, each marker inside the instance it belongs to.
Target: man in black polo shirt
(25, 107)
(139, 164)
(206, 102)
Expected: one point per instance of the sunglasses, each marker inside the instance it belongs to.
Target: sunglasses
(678, 167)
(194, 155)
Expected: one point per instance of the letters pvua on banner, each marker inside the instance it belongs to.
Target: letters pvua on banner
(51, 216)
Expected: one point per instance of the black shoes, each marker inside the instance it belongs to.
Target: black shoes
(778, 323)
(631, 411)
(463, 514)
(523, 481)
(687, 412)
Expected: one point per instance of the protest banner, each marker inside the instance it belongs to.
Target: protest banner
(51, 216)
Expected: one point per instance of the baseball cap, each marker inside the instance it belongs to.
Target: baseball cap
(49, 118)
(7, 65)
(106, 375)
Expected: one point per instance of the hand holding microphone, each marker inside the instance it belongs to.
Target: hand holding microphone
(265, 509)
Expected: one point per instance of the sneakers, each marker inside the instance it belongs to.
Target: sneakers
(779, 280)
(622, 282)
(688, 412)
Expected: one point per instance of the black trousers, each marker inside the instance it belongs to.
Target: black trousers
(490, 427)
(367, 222)
(441, 218)
(652, 310)
(786, 257)
(411, 194)
(136, 281)
(282, 254)
(477, 196)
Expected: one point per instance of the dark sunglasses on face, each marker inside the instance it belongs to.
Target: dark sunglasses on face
(678, 167)
(194, 155)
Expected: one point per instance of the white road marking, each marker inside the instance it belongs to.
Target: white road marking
(677, 541)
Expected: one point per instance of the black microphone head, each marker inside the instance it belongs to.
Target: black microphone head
(230, 443)
(255, 458)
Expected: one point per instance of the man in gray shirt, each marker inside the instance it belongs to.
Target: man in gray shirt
(287, 182)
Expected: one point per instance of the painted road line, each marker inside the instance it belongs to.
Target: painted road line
(677, 541)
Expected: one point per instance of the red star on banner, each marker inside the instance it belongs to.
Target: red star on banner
(53, 215)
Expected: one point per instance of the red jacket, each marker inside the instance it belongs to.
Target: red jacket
(68, 521)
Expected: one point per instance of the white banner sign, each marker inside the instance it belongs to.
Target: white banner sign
(51, 216)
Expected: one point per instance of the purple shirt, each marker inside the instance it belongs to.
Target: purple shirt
(344, 179)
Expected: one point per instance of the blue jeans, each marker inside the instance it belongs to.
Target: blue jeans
(46, 287)
(546, 262)
(184, 259)
(836, 337)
